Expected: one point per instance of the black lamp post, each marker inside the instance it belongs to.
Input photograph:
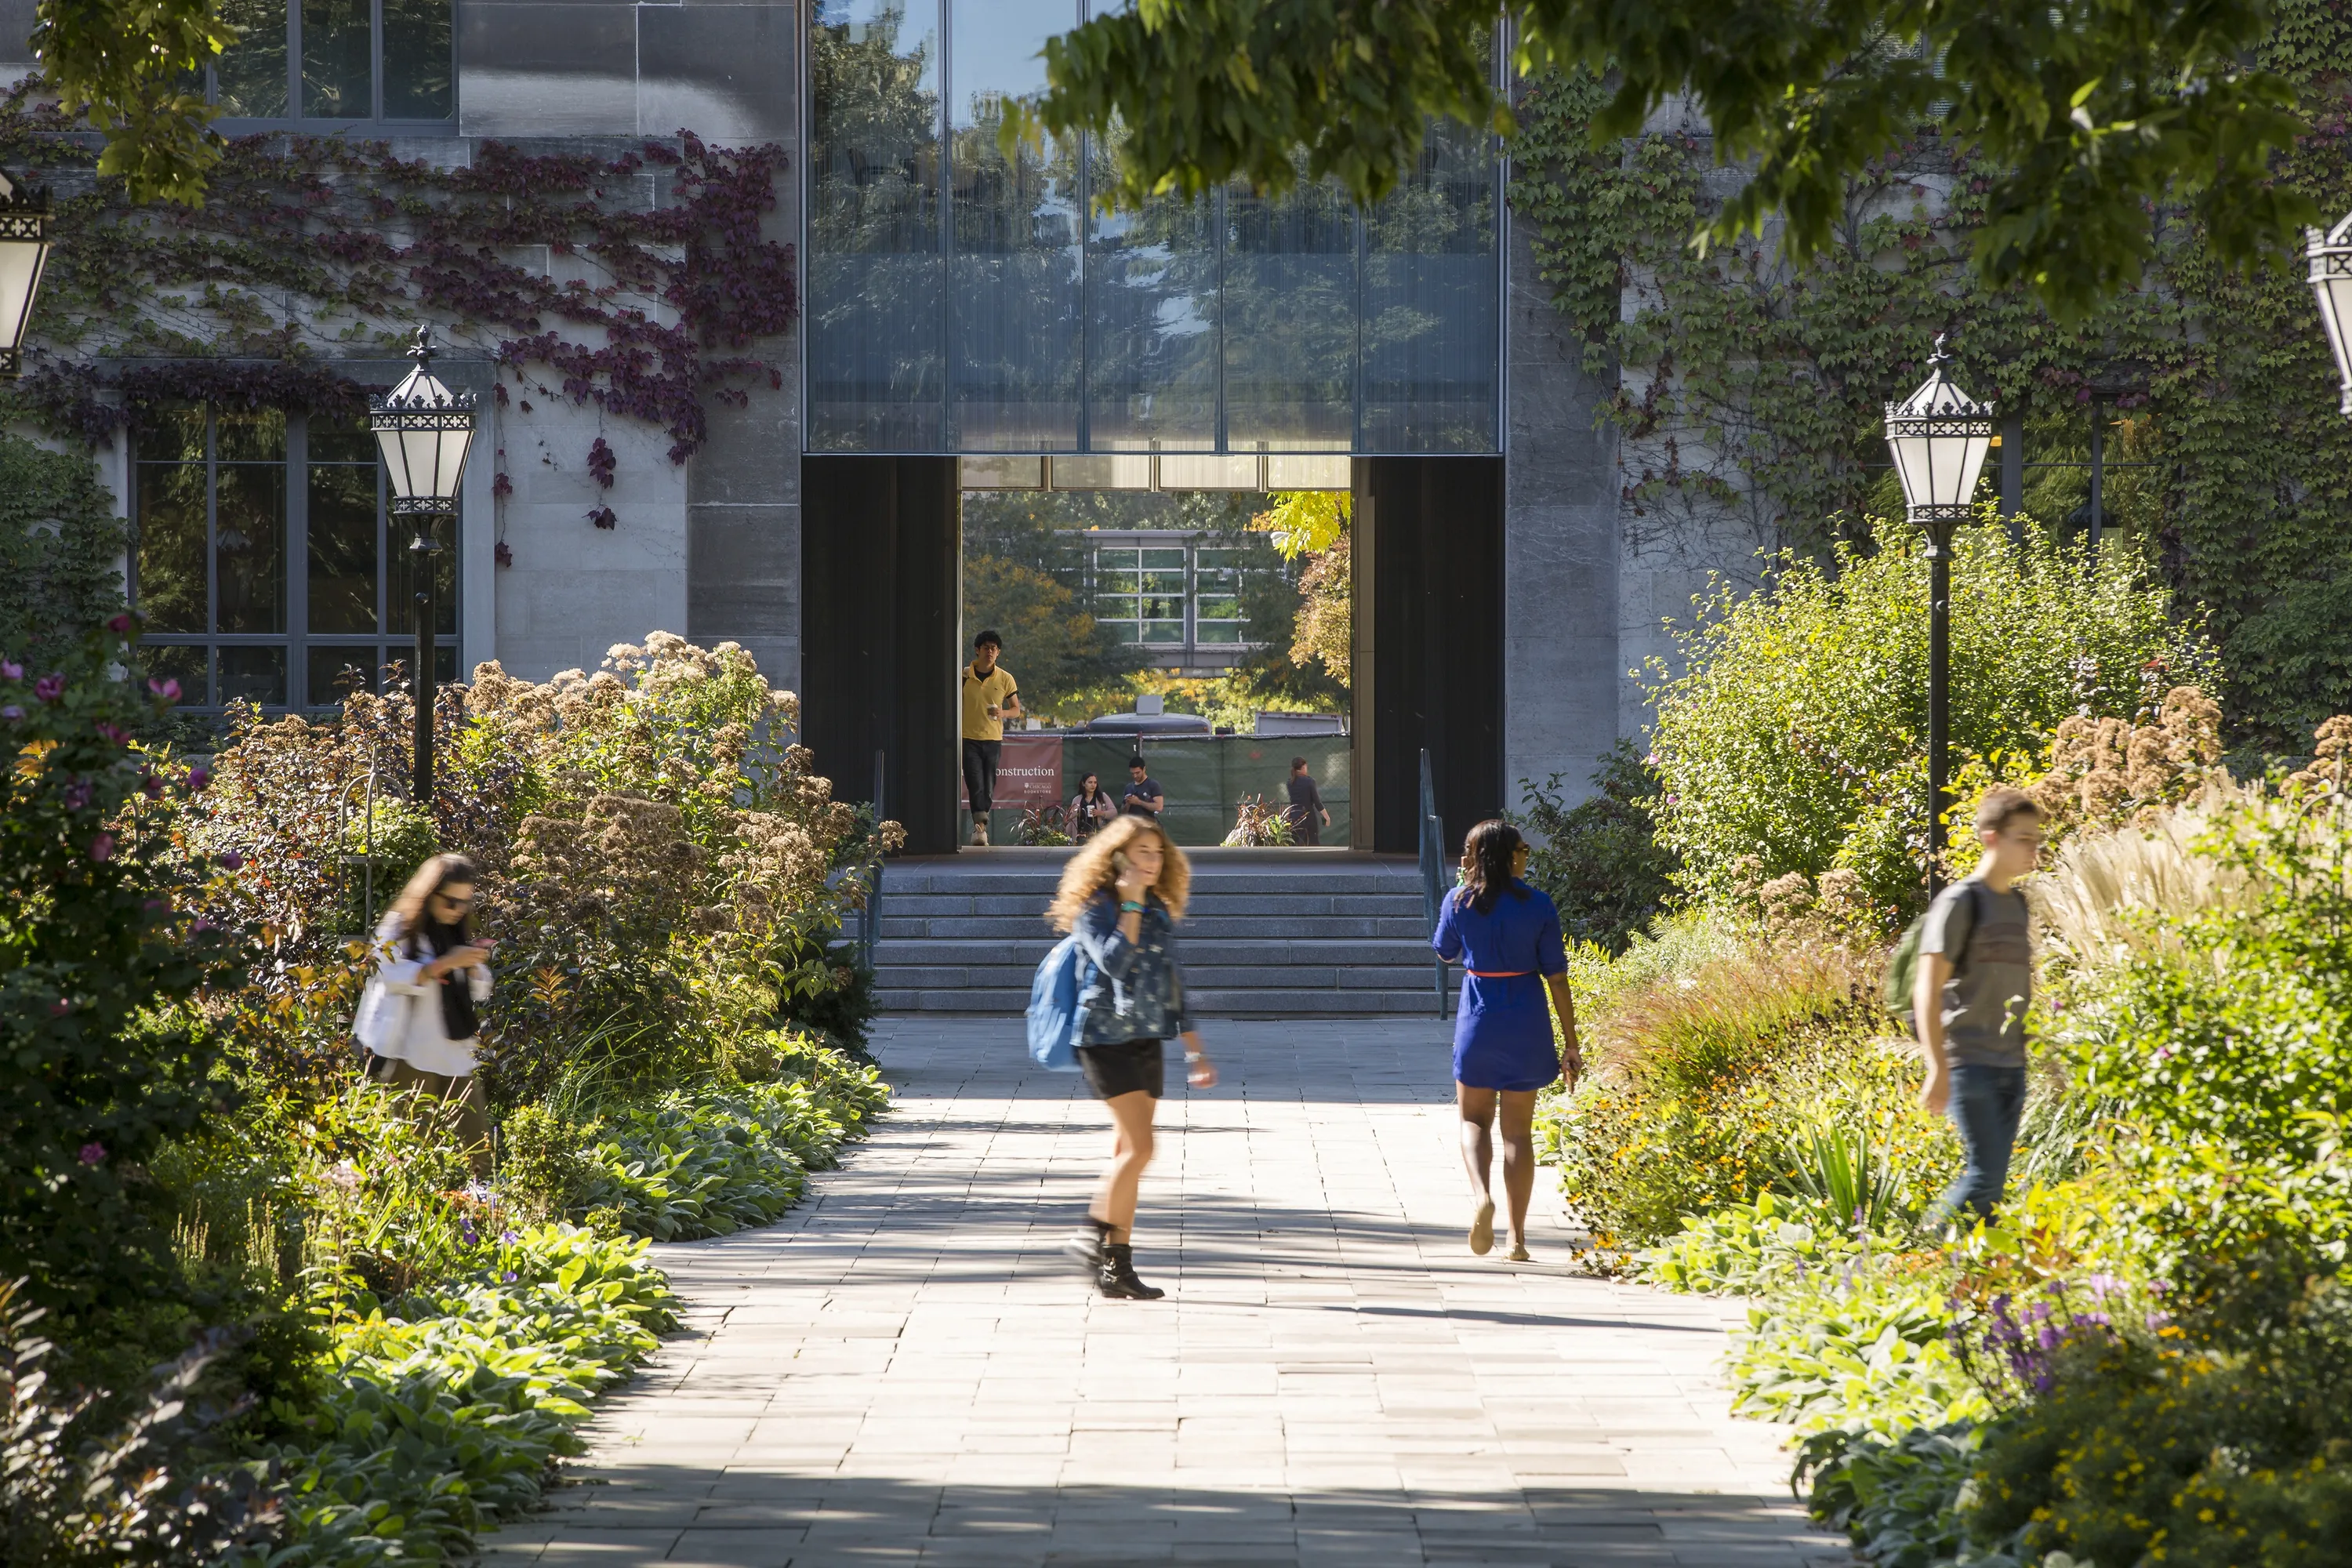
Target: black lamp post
(1939, 436)
(2330, 255)
(423, 430)
(24, 251)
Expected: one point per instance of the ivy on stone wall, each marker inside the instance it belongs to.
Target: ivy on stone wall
(637, 278)
(1749, 393)
(60, 549)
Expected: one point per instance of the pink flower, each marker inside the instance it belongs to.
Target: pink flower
(102, 847)
(11, 670)
(118, 624)
(151, 785)
(93, 1154)
(114, 732)
(169, 690)
(199, 776)
(60, 1007)
(49, 687)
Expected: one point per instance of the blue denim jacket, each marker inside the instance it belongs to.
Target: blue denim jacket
(1134, 990)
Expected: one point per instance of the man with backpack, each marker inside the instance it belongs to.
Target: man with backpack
(1969, 997)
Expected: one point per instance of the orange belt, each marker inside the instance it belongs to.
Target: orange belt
(1498, 973)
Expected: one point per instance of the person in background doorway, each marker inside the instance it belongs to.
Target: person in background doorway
(426, 951)
(990, 698)
(1305, 806)
(1089, 809)
(1144, 797)
(1121, 895)
(1506, 937)
(1974, 983)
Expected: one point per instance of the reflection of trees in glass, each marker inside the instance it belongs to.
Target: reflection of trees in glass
(1014, 284)
(170, 586)
(1290, 317)
(1151, 319)
(337, 77)
(251, 72)
(1431, 302)
(417, 58)
(874, 269)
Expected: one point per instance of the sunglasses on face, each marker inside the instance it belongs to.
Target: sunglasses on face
(444, 899)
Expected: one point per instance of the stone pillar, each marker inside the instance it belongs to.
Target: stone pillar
(1561, 676)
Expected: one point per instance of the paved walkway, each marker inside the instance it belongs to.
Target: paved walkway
(905, 1370)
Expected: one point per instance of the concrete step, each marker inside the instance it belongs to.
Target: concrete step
(1010, 978)
(1025, 951)
(1272, 883)
(1327, 927)
(1201, 905)
(1207, 1004)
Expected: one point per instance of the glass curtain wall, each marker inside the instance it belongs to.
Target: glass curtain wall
(963, 301)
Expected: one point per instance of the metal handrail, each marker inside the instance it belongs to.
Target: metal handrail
(1433, 870)
(869, 918)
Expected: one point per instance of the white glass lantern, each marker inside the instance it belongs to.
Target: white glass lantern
(423, 429)
(24, 251)
(2331, 278)
(1939, 435)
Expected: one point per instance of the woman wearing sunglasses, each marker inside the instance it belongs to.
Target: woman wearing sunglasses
(428, 957)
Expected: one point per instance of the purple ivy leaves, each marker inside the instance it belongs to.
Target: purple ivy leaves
(602, 517)
(602, 463)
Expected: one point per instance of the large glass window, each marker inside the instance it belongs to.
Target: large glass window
(875, 322)
(266, 568)
(963, 301)
(1013, 260)
(1432, 328)
(1168, 593)
(339, 62)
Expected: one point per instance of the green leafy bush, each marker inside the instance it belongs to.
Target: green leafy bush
(1601, 859)
(447, 1408)
(134, 1491)
(60, 546)
(1714, 1051)
(99, 937)
(1896, 1498)
(1795, 738)
(1749, 1250)
(546, 1160)
(1866, 1347)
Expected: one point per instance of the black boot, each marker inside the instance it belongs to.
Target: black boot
(1115, 1279)
(1084, 1247)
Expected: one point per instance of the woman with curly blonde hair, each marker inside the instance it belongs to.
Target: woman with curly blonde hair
(1121, 895)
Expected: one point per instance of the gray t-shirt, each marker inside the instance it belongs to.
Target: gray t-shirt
(1986, 937)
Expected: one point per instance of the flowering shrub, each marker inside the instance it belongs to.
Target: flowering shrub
(101, 939)
(1796, 732)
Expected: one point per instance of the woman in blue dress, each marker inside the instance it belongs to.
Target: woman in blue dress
(1505, 935)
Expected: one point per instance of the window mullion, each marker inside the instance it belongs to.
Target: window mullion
(212, 563)
(297, 560)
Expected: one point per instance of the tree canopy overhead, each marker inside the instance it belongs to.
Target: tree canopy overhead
(2095, 110)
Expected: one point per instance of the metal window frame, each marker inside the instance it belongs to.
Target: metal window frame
(298, 639)
(294, 120)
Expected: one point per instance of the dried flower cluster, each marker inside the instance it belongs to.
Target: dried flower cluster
(2329, 772)
(2104, 772)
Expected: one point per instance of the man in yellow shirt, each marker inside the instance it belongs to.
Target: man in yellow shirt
(990, 698)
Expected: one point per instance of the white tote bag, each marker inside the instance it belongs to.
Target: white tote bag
(383, 1017)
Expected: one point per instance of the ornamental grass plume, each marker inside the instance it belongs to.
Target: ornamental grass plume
(1690, 1030)
(2109, 894)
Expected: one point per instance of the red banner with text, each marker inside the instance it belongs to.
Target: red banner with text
(1028, 774)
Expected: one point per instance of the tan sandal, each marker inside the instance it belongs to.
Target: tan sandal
(1519, 1253)
(1482, 1227)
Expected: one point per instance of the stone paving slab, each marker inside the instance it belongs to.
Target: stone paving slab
(905, 1371)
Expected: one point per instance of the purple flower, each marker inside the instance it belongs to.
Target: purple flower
(230, 860)
(93, 1154)
(114, 732)
(169, 690)
(49, 687)
(199, 776)
(509, 1278)
(509, 1238)
(12, 713)
(102, 847)
(151, 785)
(11, 670)
(75, 794)
(118, 624)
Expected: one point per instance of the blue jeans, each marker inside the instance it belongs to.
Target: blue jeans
(1986, 1105)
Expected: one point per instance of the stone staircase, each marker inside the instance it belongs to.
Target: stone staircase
(1269, 933)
